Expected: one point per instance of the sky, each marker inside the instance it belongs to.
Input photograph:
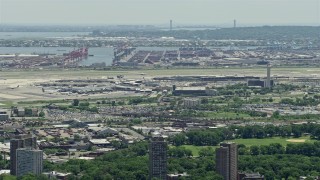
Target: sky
(159, 12)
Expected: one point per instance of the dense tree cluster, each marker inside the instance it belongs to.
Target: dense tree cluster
(242, 90)
(273, 161)
(280, 166)
(132, 163)
(139, 100)
(230, 100)
(305, 101)
(179, 152)
(196, 168)
(204, 138)
(306, 149)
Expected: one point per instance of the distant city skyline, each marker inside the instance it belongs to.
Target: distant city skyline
(159, 12)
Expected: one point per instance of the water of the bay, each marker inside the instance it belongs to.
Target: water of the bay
(100, 54)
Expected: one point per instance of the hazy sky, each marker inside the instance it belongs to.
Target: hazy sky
(262, 12)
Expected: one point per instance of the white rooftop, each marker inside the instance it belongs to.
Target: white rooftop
(99, 141)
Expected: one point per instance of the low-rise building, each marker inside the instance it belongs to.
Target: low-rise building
(5, 171)
(21, 112)
(100, 142)
(103, 131)
(259, 83)
(191, 102)
(57, 175)
(250, 176)
(194, 91)
(4, 117)
(176, 176)
(309, 177)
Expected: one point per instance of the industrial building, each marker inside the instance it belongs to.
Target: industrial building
(20, 141)
(227, 161)
(194, 91)
(260, 83)
(29, 161)
(265, 83)
(158, 158)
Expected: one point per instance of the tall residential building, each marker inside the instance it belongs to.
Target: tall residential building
(227, 161)
(170, 25)
(20, 141)
(158, 158)
(29, 161)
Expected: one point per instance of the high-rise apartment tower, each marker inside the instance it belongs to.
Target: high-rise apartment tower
(20, 141)
(227, 161)
(29, 161)
(158, 158)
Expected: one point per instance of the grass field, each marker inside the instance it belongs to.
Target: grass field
(195, 149)
(267, 141)
(249, 142)
(6, 104)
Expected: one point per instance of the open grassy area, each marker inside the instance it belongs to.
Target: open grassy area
(195, 149)
(249, 142)
(6, 104)
(267, 141)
